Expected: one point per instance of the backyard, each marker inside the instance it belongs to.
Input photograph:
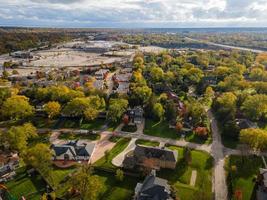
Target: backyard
(241, 174)
(180, 177)
(160, 129)
(25, 185)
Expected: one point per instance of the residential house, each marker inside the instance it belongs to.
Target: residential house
(136, 114)
(245, 123)
(101, 74)
(73, 151)
(155, 157)
(153, 188)
(8, 164)
(261, 193)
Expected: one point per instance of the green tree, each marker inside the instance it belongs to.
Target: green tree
(255, 107)
(141, 95)
(117, 108)
(119, 175)
(16, 107)
(40, 157)
(226, 105)
(17, 136)
(52, 109)
(158, 111)
(4, 94)
(88, 185)
(91, 113)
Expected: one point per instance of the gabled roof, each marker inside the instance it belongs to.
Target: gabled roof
(155, 152)
(76, 148)
(153, 188)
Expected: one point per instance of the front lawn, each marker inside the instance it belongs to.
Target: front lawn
(147, 143)
(129, 128)
(160, 129)
(73, 136)
(241, 172)
(118, 148)
(180, 177)
(24, 185)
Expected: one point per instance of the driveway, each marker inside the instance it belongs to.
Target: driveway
(117, 161)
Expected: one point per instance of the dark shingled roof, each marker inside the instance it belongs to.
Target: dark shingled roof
(154, 152)
(153, 188)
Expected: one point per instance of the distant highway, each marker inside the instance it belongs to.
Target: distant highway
(226, 46)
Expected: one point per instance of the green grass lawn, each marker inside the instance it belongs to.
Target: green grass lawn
(72, 136)
(114, 190)
(60, 180)
(180, 177)
(129, 128)
(41, 138)
(75, 123)
(160, 129)
(147, 143)
(23, 185)
(246, 170)
(42, 122)
(121, 144)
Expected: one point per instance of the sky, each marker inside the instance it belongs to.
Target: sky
(134, 13)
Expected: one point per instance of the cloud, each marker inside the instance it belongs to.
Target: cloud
(134, 13)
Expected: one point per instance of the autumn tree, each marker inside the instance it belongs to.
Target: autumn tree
(52, 109)
(255, 107)
(17, 107)
(254, 137)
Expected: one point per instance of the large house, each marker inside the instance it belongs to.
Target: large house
(73, 151)
(153, 188)
(261, 193)
(136, 114)
(152, 157)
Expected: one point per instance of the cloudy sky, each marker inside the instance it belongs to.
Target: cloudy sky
(134, 13)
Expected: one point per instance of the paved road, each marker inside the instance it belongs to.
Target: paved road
(226, 46)
(117, 161)
(219, 186)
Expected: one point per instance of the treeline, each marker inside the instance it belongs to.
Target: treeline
(15, 40)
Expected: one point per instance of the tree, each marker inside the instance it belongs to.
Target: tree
(117, 108)
(4, 94)
(196, 111)
(79, 105)
(88, 185)
(141, 95)
(17, 136)
(40, 157)
(255, 107)
(17, 107)
(91, 113)
(156, 74)
(158, 111)
(254, 137)
(119, 175)
(52, 109)
(225, 105)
